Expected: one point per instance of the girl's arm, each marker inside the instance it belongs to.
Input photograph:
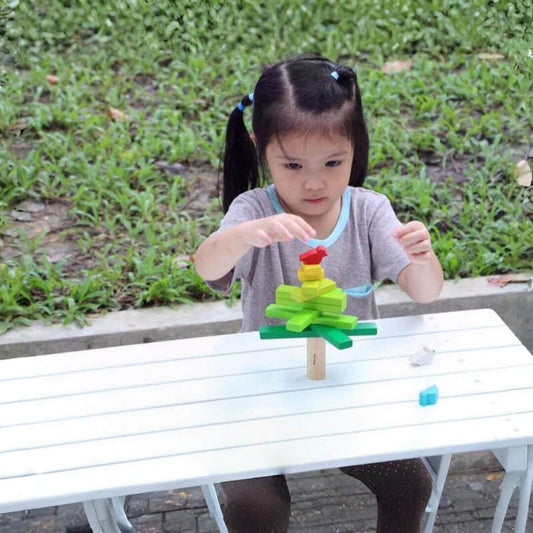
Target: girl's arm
(422, 279)
(219, 253)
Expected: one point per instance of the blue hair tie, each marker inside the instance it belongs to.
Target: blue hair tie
(335, 74)
(241, 106)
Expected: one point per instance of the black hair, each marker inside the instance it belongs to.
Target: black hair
(298, 95)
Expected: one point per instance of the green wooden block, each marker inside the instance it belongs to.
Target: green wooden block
(311, 286)
(311, 304)
(281, 311)
(336, 321)
(334, 301)
(301, 320)
(363, 328)
(334, 336)
(312, 289)
(285, 296)
(284, 292)
(281, 332)
(332, 297)
(298, 295)
(320, 303)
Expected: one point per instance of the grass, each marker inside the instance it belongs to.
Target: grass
(445, 135)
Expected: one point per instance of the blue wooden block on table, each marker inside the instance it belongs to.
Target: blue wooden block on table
(428, 396)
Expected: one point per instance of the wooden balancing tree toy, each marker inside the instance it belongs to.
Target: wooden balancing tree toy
(314, 310)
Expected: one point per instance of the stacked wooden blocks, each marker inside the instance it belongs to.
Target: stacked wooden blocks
(314, 310)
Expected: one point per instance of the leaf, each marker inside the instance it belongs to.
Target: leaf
(171, 28)
(116, 114)
(18, 126)
(397, 66)
(52, 79)
(183, 261)
(522, 173)
(175, 169)
(490, 57)
(502, 281)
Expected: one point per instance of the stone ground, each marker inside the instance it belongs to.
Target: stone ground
(323, 502)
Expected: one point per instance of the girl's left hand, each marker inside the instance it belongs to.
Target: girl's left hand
(414, 238)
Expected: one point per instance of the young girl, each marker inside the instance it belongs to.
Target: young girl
(310, 138)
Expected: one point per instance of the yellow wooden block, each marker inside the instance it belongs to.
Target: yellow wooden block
(310, 272)
(311, 289)
(310, 269)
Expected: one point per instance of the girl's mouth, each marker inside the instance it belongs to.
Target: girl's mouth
(314, 200)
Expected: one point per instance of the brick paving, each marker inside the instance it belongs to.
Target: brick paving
(322, 502)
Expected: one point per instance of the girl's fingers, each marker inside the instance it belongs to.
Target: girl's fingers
(418, 248)
(280, 231)
(307, 228)
(281, 228)
(302, 231)
(263, 239)
(401, 231)
(414, 237)
(420, 257)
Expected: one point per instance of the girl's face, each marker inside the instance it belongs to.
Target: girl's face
(310, 173)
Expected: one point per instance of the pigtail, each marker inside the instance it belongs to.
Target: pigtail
(240, 172)
(360, 140)
(347, 79)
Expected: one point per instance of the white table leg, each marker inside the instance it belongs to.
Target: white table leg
(525, 494)
(107, 516)
(514, 461)
(438, 467)
(211, 498)
(509, 483)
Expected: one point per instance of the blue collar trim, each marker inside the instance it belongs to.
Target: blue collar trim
(337, 230)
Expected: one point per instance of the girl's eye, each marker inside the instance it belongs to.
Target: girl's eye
(333, 163)
(293, 166)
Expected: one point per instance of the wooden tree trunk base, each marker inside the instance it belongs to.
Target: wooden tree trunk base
(316, 358)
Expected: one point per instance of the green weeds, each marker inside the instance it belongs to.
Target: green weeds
(445, 135)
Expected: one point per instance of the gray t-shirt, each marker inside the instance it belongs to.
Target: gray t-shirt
(360, 249)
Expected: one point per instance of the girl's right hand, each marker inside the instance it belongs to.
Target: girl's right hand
(283, 227)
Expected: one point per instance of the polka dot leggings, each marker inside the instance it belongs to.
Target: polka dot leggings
(402, 489)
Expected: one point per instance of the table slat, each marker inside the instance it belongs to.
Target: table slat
(261, 460)
(226, 344)
(164, 372)
(26, 436)
(255, 431)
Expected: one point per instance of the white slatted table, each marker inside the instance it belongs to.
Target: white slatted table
(89, 425)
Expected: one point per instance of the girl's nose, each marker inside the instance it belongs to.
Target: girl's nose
(314, 182)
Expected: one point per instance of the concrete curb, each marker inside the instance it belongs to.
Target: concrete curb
(514, 303)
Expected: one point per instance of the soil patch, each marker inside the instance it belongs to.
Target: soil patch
(32, 219)
(203, 189)
(439, 171)
(51, 222)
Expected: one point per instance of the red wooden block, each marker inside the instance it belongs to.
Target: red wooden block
(314, 256)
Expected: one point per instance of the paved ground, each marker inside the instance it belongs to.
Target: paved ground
(323, 502)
